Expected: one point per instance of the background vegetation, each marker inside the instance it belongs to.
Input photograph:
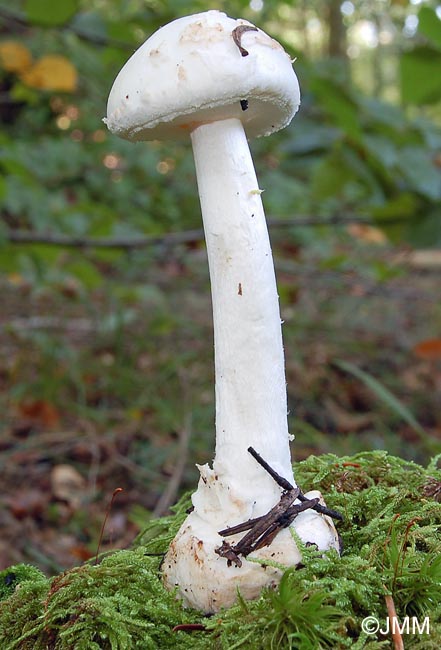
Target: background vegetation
(106, 375)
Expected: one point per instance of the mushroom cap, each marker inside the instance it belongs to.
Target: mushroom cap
(192, 72)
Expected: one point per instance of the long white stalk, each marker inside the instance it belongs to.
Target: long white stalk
(251, 404)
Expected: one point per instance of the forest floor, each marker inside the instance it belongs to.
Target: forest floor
(112, 386)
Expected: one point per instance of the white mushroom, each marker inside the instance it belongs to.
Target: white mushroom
(222, 80)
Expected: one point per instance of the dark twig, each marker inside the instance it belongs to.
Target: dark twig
(323, 510)
(259, 526)
(22, 237)
(259, 530)
(286, 485)
(240, 528)
(270, 528)
(122, 243)
(263, 530)
(284, 521)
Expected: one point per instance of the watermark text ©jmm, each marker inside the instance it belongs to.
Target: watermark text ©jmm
(409, 625)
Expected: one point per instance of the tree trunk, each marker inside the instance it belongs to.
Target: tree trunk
(337, 31)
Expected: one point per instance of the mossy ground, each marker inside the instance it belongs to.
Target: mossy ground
(391, 538)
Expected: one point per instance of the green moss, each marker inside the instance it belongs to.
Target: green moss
(17, 574)
(392, 543)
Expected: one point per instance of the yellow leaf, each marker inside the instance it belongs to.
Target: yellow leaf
(369, 234)
(14, 57)
(51, 72)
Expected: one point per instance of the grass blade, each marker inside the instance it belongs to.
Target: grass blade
(382, 393)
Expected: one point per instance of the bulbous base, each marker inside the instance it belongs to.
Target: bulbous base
(206, 582)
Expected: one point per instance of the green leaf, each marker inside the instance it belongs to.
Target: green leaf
(338, 103)
(85, 272)
(429, 25)
(310, 137)
(50, 12)
(382, 150)
(329, 177)
(382, 393)
(122, 32)
(4, 231)
(420, 172)
(382, 114)
(420, 76)
(426, 232)
(344, 175)
(400, 207)
(90, 24)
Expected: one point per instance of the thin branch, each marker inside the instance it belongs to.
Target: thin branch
(168, 239)
(82, 325)
(122, 243)
(168, 497)
(280, 480)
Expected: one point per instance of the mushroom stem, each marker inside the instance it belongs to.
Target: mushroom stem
(250, 392)
(251, 404)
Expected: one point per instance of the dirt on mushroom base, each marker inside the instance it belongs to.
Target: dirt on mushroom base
(392, 540)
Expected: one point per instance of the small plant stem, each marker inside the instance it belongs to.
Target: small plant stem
(189, 627)
(404, 544)
(397, 639)
(388, 537)
(109, 508)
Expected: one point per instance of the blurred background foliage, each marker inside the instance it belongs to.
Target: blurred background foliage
(105, 326)
(366, 141)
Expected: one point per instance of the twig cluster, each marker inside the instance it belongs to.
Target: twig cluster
(262, 530)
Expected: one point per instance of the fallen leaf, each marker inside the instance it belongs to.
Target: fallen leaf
(369, 234)
(41, 412)
(81, 552)
(68, 485)
(17, 280)
(428, 349)
(27, 503)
